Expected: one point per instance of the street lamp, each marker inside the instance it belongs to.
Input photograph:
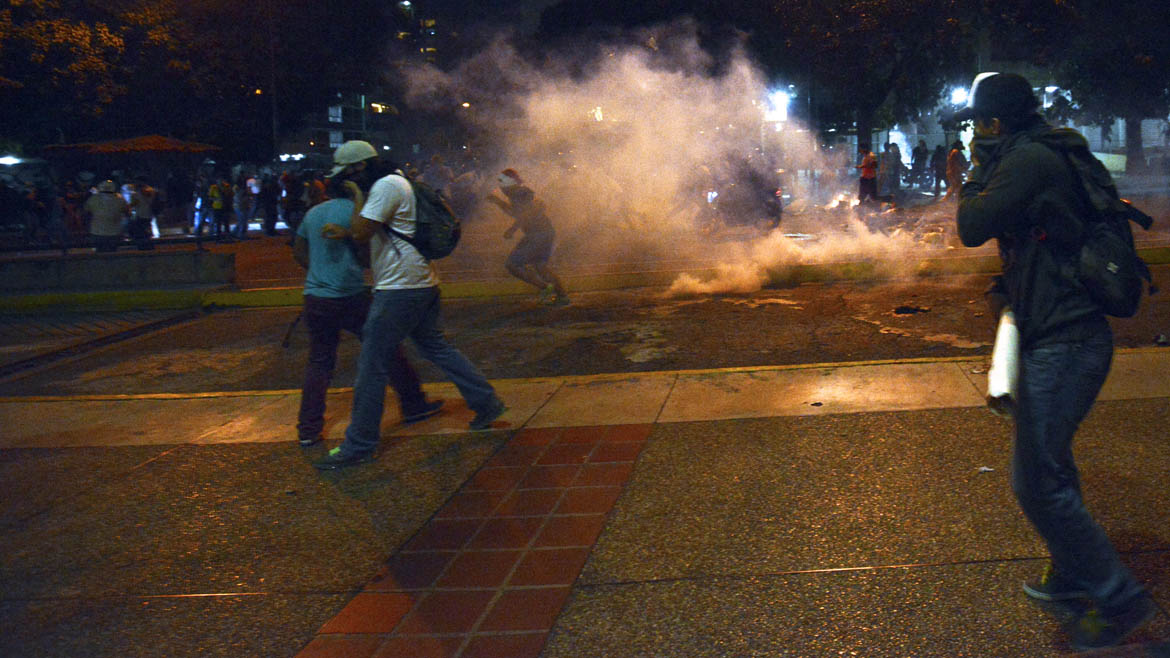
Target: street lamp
(778, 102)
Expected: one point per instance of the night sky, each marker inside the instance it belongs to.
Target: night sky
(523, 14)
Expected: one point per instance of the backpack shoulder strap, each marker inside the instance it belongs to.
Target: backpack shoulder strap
(395, 233)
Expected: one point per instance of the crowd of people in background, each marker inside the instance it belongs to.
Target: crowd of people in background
(885, 178)
(230, 203)
(213, 204)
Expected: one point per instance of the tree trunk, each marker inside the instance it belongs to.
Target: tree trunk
(1135, 159)
(865, 130)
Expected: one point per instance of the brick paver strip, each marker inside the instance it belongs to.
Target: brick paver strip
(370, 613)
(340, 646)
(488, 575)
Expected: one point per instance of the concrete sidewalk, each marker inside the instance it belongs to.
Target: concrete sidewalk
(856, 509)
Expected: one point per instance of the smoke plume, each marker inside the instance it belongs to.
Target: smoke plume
(626, 146)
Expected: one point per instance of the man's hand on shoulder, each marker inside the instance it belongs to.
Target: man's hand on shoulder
(334, 232)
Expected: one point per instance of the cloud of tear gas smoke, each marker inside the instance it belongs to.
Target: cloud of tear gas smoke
(626, 149)
(844, 239)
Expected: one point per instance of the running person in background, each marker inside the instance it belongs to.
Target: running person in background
(529, 259)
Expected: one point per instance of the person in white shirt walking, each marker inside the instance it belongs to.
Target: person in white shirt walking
(405, 304)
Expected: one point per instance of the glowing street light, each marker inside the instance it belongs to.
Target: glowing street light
(778, 102)
(959, 96)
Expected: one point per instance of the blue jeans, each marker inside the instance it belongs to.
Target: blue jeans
(1058, 384)
(394, 316)
(326, 317)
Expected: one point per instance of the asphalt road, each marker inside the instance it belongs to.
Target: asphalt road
(602, 332)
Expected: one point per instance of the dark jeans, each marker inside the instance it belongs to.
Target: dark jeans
(201, 217)
(139, 230)
(223, 222)
(867, 190)
(326, 317)
(269, 210)
(1058, 384)
(243, 218)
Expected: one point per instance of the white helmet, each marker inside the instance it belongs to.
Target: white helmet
(351, 152)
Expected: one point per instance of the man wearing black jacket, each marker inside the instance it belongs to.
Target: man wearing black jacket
(1024, 194)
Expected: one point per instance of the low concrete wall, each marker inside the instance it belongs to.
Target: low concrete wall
(117, 271)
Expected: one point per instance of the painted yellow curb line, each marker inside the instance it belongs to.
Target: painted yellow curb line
(105, 300)
(573, 380)
(186, 298)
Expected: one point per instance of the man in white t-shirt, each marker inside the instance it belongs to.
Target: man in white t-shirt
(405, 304)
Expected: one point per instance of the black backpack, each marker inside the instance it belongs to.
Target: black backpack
(1108, 265)
(437, 228)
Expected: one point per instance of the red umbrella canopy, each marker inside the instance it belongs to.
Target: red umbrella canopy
(151, 143)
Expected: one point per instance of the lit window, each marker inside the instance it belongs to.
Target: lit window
(335, 114)
(336, 138)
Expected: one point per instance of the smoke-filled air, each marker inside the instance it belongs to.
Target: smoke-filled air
(641, 155)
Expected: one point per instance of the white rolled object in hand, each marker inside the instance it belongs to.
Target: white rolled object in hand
(1004, 375)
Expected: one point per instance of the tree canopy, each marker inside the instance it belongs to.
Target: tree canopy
(1115, 61)
(223, 71)
(75, 70)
